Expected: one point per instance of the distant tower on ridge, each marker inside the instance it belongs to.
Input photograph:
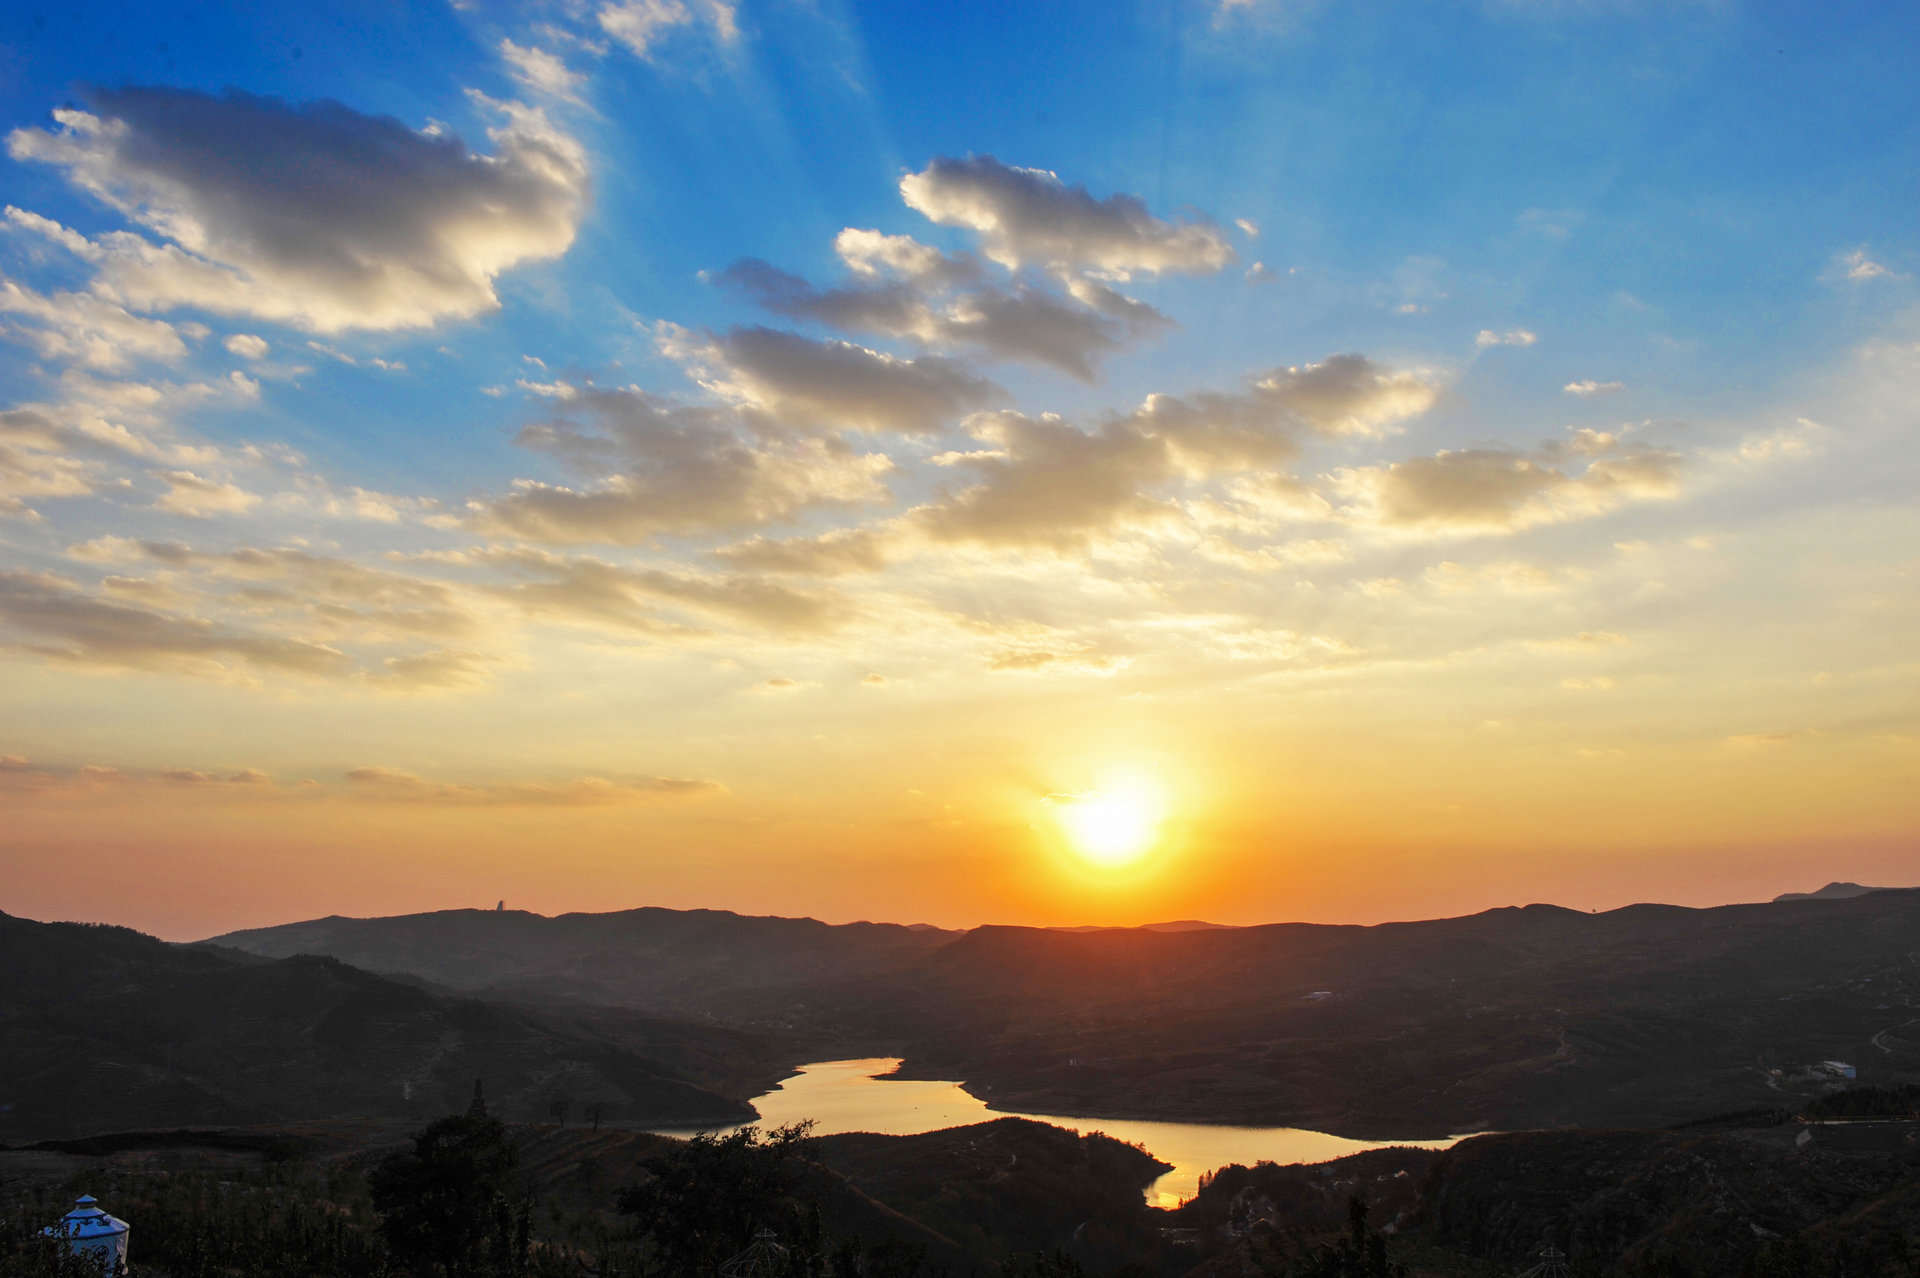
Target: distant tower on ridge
(477, 1108)
(500, 907)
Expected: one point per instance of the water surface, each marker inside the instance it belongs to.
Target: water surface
(853, 1096)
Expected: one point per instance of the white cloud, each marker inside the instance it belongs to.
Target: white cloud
(1858, 266)
(1590, 389)
(659, 467)
(641, 24)
(1497, 490)
(541, 71)
(80, 328)
(1512, 337)
(247, 346)
(33, 462)
(58, 620)
(1046, 482)
(1030, 216)
(797, 382)
(199, 497)
(901, 288)
(587, 591)
(312, 214)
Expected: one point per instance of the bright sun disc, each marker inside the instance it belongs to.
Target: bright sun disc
(1112, 827)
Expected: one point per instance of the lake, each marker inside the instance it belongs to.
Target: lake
(853, 1096)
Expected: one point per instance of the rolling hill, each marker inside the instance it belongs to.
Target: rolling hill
(1521, 1017)
(103, 1028)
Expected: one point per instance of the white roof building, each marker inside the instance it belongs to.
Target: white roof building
(95, 1234)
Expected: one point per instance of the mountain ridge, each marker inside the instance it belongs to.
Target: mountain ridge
(1519, 1016)
(105, 1027)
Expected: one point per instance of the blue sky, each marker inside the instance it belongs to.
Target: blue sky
(772, 427)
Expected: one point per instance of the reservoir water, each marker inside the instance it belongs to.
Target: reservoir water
(854, 1096)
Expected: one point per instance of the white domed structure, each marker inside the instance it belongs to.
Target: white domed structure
(94, 1234)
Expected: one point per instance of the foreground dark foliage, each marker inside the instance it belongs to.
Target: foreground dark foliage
(451, 1201)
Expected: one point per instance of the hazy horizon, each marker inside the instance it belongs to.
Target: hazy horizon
(1137, 923)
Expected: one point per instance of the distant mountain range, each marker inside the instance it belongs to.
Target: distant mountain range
(1513, 1018)
(1178, 925)
(692, 962)
(1831, 892)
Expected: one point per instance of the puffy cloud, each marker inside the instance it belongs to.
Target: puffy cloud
(905, 289)
(247, 346)
(1512, 337)
(1497, 490)
(310, 214)
(831, 554)
(1046, 482)
(1348, 394)
(80, 328)
(198, 497)
(662, 467)
(795, 382)
(336, 591)
(872, 253)
(34, 462)
(541, 71)
(58, 620)
(641, 24)
(1029, 215)
(584, 590)
(327, 591)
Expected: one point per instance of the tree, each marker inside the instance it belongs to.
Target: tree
(703, 1201)
(559, 1110)
(447, 1202)
(1361, 1253)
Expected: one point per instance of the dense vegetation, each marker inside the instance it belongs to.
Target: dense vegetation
(456, 1206)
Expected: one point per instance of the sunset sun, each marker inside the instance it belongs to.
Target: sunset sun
(1115, 825)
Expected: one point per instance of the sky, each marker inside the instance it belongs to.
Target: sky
(1250, 460)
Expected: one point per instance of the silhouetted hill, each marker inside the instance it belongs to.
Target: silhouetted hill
(1765, 1201)
(1831, 892)
(104, 1028)
(1513, 1018)
(676, 961)
(1008, 1186)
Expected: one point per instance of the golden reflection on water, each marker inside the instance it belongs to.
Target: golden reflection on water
(854, 1096)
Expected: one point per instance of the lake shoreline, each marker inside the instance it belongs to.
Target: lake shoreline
(843, 1096)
